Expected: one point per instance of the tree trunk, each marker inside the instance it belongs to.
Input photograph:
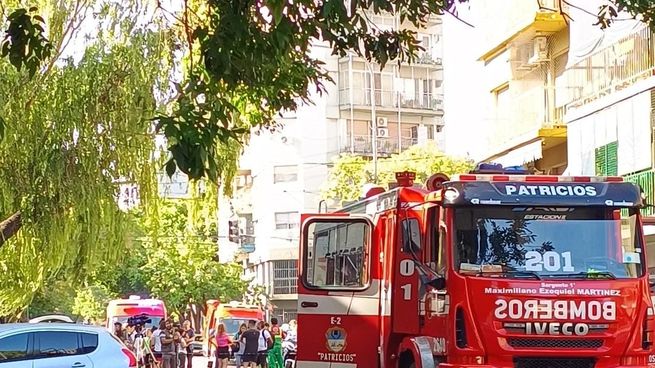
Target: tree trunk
(10, 226)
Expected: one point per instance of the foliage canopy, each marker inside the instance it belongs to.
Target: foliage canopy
(350, 172)
(72, 131)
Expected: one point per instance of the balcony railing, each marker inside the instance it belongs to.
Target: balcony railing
(427, 58)
(612, 68)
(363, 144)
(390, 99)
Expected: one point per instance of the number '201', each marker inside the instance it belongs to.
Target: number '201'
(549, 261)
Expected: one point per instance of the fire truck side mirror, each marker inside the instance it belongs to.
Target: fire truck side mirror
(438, 283)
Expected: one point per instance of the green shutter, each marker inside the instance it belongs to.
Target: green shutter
(646, 180)
(607, 159)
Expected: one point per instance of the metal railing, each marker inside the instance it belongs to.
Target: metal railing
(390, 99)
(363, 144)
(612, 68)
(285, 276)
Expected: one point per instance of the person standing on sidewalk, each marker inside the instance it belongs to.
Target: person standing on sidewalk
(156, 341)
(275, 354)
(265, 344)
(180, 347)
(250, 340)
(223, 342)
(189, 335)
(241, 346)
(169, 339)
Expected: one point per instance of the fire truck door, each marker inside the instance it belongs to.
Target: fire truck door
(338, 294)
(405, 300)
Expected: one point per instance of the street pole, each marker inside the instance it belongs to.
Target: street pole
(374, 124)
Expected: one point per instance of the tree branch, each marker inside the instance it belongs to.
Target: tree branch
(10, 226)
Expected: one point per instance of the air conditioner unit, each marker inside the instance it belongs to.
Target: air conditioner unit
(383, 132)
(539, 50)
(382, 122)
(548, 5)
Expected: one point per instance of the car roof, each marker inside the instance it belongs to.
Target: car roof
(51, 317)
(30, 327)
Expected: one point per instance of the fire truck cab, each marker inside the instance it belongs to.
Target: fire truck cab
(494, 268)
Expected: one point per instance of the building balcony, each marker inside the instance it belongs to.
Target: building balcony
(527, 20)
(611, 69)
(360, 99)
(363, 145)
(428, 58)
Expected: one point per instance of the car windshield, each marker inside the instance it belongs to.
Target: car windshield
(232, 325)
(540, 243)
(153, 323)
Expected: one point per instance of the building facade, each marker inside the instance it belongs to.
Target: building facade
(514, 83)
(562, 97)
(283, 172)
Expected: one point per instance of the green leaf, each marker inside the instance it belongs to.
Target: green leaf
(170, 168)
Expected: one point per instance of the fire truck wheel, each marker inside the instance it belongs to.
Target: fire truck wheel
(406, 360)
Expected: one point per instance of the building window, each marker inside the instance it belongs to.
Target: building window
(502, 103)
(243, 179)
(285, 174)
(285, 315)
(285, 277)
(286, 220)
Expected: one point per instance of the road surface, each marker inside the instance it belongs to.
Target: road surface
(201, 362)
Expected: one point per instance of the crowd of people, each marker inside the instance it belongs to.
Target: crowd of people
(169, 346)
(256, 344)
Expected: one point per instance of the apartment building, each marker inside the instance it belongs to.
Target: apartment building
(561, 97)
(509, 94)
(611, 98)
(283, 172)
(610, 79)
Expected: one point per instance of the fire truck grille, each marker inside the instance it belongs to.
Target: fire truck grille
(554, 363)
(525, 343)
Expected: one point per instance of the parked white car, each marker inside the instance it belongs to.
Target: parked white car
(50, 318)
(61, 345)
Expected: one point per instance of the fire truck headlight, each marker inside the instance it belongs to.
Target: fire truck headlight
(451, 194)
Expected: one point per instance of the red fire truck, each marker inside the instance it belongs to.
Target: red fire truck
(495, 268)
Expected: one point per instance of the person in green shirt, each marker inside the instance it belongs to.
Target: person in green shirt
(275, 354)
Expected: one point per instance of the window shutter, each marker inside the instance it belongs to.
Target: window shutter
(607, 159)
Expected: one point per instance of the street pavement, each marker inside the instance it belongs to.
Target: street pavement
(201, 362)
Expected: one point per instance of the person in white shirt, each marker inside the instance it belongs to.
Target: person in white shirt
(156, 339)
(265, 342)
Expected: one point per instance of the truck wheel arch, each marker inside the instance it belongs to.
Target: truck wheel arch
(415, 352)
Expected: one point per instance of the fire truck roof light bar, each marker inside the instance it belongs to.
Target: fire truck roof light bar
(496, 172)
(539, 178)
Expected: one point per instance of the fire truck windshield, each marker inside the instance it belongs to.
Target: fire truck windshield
(561, 243)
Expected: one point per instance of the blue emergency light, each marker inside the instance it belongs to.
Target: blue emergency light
(493, 168)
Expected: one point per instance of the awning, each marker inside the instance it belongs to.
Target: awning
(519, 155)
(586, 38)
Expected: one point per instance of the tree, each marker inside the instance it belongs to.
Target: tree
(350, 172)
(250, 60)
(72, 129)
(347, 178)
(181, 266)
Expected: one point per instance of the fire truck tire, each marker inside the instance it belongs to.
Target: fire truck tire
(406, 360)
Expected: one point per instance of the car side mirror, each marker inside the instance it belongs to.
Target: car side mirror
(438, 283)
